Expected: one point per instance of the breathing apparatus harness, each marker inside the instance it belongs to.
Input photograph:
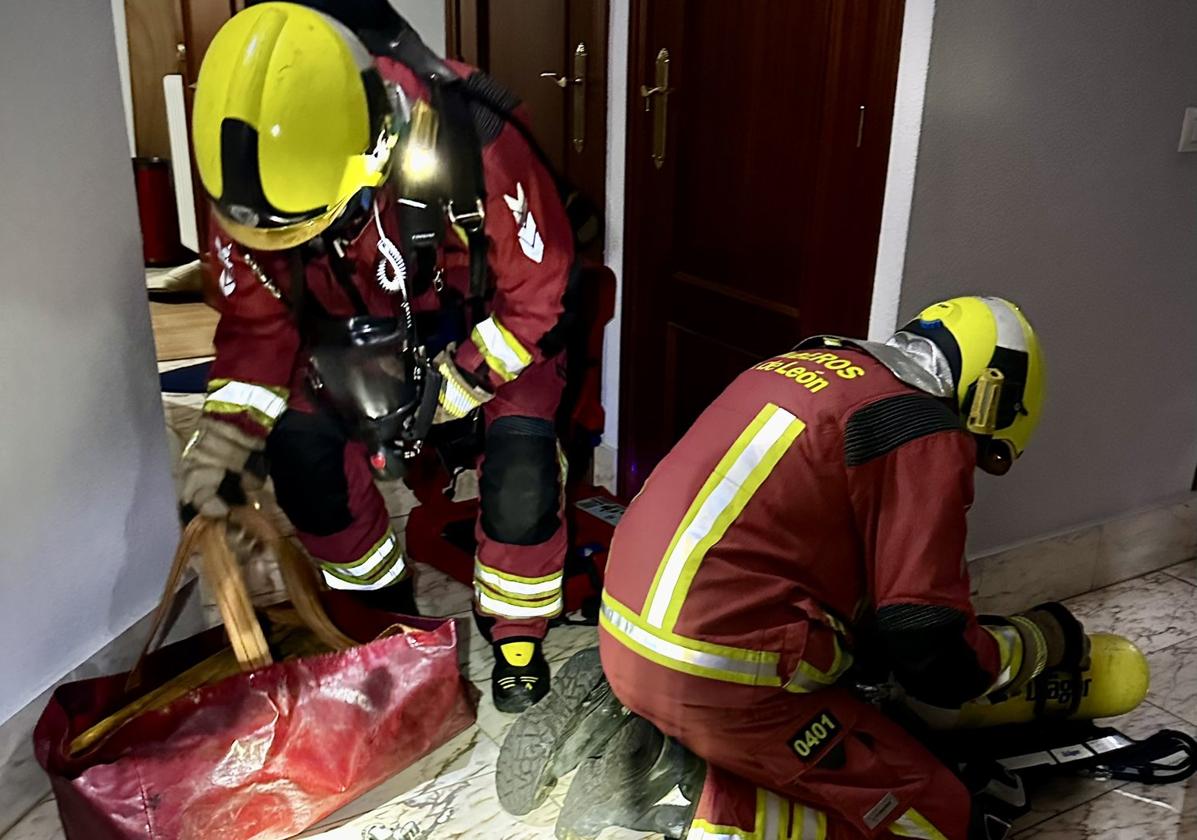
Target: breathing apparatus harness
(374, 371)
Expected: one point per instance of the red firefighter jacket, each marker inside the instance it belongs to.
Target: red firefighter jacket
(816, 495)
(259, 349)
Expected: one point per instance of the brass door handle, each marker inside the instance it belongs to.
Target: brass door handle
(579, 103)
(578, 83)
(660, 93)
(557, 79)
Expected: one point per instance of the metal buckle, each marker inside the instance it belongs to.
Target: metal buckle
(470, 221)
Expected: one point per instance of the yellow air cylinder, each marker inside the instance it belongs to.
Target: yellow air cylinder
(1116, 682)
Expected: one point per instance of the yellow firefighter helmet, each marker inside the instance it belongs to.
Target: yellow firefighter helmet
(997, 369)
(291, 122)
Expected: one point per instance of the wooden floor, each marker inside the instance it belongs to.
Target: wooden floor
(182, 330)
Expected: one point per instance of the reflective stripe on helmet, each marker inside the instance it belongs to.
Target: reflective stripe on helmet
(1009, 328)
(736, 477)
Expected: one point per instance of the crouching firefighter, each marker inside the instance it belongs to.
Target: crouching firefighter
(392, 254)
(816, 511)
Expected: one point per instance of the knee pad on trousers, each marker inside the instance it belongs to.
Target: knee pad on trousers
(519, 487)
(307, 463)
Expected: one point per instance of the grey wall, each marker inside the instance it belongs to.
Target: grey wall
(87, 521)
(427, 17)
(1048, 172)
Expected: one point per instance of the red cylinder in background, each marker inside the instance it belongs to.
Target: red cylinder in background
(156, 209)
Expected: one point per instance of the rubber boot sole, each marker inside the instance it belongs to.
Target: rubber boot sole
(622, 788)
(573, 722)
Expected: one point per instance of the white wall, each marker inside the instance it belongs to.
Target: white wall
(427, 17)
(86, 501)
(1048, 172)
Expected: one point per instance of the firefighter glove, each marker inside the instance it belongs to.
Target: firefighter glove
(459, 396)
(220, 465)
(1064, 639)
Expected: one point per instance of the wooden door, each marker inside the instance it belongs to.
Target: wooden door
(552, 54)
(754, 187)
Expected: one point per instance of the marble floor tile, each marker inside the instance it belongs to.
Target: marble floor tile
(1174, 680)
(437, 594)
(466, 808)
(493, 723)
(1147, 720)
(41, 823)
(1186, 571)
(22, 781)
(1054, 796)
(467, 759)
(1145, 541)
(564, 642)
(1062, 793)
(1132, 812)
(1154, 611)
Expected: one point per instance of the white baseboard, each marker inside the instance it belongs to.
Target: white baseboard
(1096, 555)
(606, 466)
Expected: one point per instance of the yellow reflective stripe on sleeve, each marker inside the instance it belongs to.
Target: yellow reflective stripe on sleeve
(493, 604)
(689, 656)
(515, 585)
(1010, 654)
(454, 399)
(264, 404)
(914, 824)
(503, 352)
(807, 677)
(722, 498)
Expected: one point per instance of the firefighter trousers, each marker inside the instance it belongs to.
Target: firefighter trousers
(798, 766)
(323, 483)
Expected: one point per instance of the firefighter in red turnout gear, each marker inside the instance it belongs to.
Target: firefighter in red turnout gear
(384, 200)
(813, 513)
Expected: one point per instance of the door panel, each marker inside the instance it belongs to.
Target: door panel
(527, 38)
(517, 40)
(155, 40)
(759, 226)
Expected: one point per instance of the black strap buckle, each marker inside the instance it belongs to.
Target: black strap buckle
(470, 221)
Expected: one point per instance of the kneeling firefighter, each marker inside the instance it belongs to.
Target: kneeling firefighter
(392, 253)
(816, 511)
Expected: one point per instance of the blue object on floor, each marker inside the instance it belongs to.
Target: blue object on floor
(192, 379)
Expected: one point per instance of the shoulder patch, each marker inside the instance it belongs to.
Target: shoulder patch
(887, 424)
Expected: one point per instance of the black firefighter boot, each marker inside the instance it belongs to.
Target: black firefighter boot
(521, 674)
(397, 598)
(623, 787)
